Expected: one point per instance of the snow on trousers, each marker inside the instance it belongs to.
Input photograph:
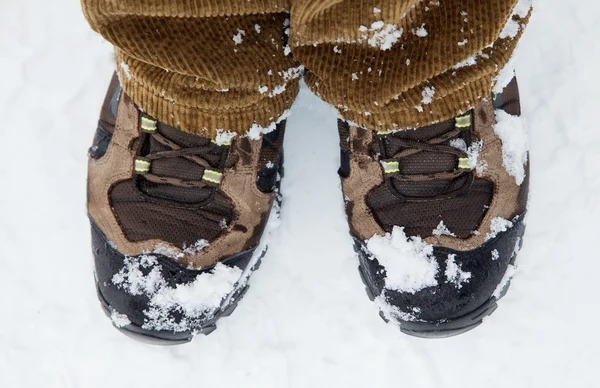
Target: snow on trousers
(209, 65)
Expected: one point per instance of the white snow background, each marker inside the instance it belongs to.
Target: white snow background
(306, 321)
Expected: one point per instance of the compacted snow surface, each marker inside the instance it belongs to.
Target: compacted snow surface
(306, 321)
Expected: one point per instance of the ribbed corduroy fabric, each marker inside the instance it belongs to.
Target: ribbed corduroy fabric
(209, 65)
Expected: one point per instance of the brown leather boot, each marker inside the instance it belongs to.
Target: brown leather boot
(177, 219)
(437, 214)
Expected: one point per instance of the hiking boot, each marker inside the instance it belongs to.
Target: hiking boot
(437, 214)
(177, 220)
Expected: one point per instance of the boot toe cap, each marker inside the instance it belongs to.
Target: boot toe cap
(155, 296)
(465, 283)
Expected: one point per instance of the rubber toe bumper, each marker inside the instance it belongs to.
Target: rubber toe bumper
(447, 309)
(109, 262)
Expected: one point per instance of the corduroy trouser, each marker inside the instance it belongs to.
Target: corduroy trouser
(229, 65)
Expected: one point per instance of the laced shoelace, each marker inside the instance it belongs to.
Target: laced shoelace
(393, 165)
(143, 165)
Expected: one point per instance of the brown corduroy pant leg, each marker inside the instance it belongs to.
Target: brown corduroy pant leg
(209, 65)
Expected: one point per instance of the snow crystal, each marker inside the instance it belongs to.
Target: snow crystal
(238, 38)
(421, 32)
(257, 28)
(132, 279)
(277, 90)
(522, 8)
(256, 130)
(224, 137)
(510, 273)
(498, 226)
(376, 11)
(472, 152)
(292, 73)
(464, 42)
(270, 165)
(223, 224)
(337, 50)
(125, 68)
(166, 250)
(442, 230)
(517, 247)
(286, 25)
(459, 143)
(515, 144)
(512, 27)
(428, 94)
(504, 76)
(471, 61)
(354, 76)
(481, 168)
(393, 313)
(118, 319)
(383, 36)
(495, 255)
(454, 274)
(408, 262)
(196, 247)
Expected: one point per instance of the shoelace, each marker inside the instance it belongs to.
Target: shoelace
(143, 165)
(393, 166)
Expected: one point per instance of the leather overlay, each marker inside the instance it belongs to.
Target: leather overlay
(116, 165)
(250, 205)
(365, 175)
(505, 201)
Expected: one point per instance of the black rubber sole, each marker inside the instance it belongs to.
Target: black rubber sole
(446, 329)
(169, 338)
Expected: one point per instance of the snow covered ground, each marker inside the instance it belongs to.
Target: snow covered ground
(306, 321)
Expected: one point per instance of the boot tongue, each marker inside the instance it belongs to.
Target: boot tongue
(180, 167)
(424, 162)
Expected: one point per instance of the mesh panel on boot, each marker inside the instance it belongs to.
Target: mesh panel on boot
(272, 145)
(461, 214)
(271, 158)
(143, 217)
(428, 189)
